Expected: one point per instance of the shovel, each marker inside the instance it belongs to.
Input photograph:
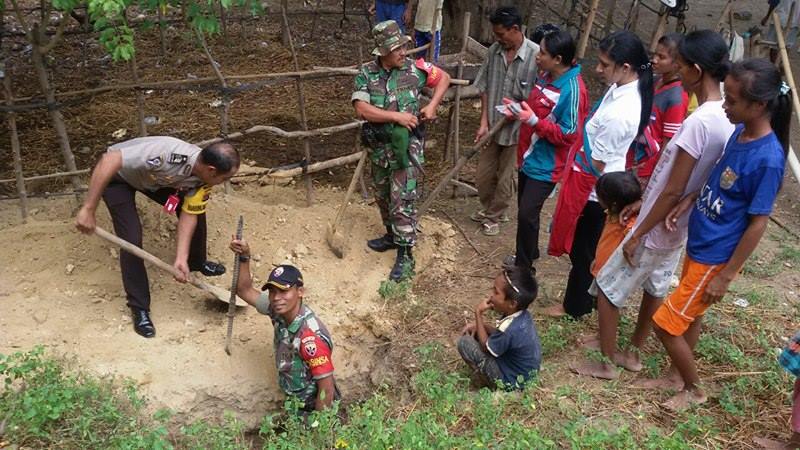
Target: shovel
(335, 240)
(218, 292)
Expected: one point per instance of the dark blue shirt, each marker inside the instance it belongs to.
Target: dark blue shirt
(516, 348)
(744, 183)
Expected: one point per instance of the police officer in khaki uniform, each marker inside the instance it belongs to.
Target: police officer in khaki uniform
(177, 175)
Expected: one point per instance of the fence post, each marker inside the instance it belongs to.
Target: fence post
(12, 127)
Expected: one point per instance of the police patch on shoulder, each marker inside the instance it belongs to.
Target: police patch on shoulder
(728, 178)
(154, 163)
(177, 158)
(187, 169)
(310, 345)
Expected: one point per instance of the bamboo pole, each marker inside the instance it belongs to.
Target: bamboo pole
(316, 167)
(12, 127)
(162, 38)
(584, 40)
(139, 98)
(787, 71)
(50, 175)
(361, 182)
(457, 101)
(434, 24)
(659, 31)
(301, 100)
(284, 134)
(612, 6)
(226, 101)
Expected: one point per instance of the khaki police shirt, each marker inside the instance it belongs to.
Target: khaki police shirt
(155, 162)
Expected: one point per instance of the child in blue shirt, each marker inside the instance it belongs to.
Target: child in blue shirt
(729, 215)
(510, 352)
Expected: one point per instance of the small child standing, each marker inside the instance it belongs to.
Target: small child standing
(615, 191)
(670, 104)
(730, 212)
(509, 353)
(790, 360)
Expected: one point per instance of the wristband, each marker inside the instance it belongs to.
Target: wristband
(244, 259)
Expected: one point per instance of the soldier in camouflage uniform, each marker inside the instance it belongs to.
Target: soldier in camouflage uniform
(302, 343)
(386, 94)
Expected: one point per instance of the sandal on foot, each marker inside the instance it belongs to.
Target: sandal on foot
(490, 228)
(478, 216)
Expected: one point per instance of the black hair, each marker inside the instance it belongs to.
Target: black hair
(761, 82)
(223, 156)
(616, 190)
(708, 50)
(525, 283)
(543, 30)
(672, 41)
(507, 16)
(560, 43)
(624, 47)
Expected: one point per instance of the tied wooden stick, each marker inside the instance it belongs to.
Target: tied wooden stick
(234, 285)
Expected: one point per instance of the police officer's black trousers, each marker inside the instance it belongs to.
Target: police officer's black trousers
(119, 197)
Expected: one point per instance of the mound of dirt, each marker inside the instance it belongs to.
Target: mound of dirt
(63, 289)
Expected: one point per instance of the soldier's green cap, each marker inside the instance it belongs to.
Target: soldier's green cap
(388, 37)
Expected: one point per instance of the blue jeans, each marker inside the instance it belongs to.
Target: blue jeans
(389, 11)
(421, 38)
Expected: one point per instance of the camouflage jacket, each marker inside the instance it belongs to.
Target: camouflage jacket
(395, 90)
(302, 351)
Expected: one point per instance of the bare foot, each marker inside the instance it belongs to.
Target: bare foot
(554, 311)
(629, 361)
(684, 399)
(770, 444)
(670, 382)
(589, 341)
(595, 369)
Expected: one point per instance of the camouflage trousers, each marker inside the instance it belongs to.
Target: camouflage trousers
(396, 193)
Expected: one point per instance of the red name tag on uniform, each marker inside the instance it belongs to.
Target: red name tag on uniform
(172, 204)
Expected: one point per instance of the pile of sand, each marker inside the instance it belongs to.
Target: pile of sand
(63, 289)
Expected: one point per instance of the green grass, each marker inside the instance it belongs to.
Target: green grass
(59, 408)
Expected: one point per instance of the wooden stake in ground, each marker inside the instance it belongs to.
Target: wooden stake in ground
(234, 285)
(459, 164)
(787, 71)
(301, 100)
(457, 104)
(662, 25)
(587, 29)
(139, 98)
(12, 127)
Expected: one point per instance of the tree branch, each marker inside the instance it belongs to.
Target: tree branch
(62, 24)
(21, 19)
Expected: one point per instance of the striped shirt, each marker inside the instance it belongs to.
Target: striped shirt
(497, 78)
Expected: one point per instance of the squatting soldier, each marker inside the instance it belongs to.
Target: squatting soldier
(174, 173)
(387, 96)
(302, 344)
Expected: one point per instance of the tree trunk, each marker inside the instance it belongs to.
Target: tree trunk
(55, 114)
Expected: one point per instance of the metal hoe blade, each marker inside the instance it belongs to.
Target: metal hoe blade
(234, 284)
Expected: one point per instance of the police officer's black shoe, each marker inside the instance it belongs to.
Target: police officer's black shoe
(383, 243)
(403, 264)
(142, 323)
(212, 269)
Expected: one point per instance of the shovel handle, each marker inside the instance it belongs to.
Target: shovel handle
(146, 256)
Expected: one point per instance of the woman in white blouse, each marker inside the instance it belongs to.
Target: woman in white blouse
(616, 121)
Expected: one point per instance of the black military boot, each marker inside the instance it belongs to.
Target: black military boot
(383, 243)
(403, 264)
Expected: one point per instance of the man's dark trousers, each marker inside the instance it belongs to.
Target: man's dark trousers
(119, 197)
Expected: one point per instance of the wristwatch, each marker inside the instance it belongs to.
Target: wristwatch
(244, 258)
